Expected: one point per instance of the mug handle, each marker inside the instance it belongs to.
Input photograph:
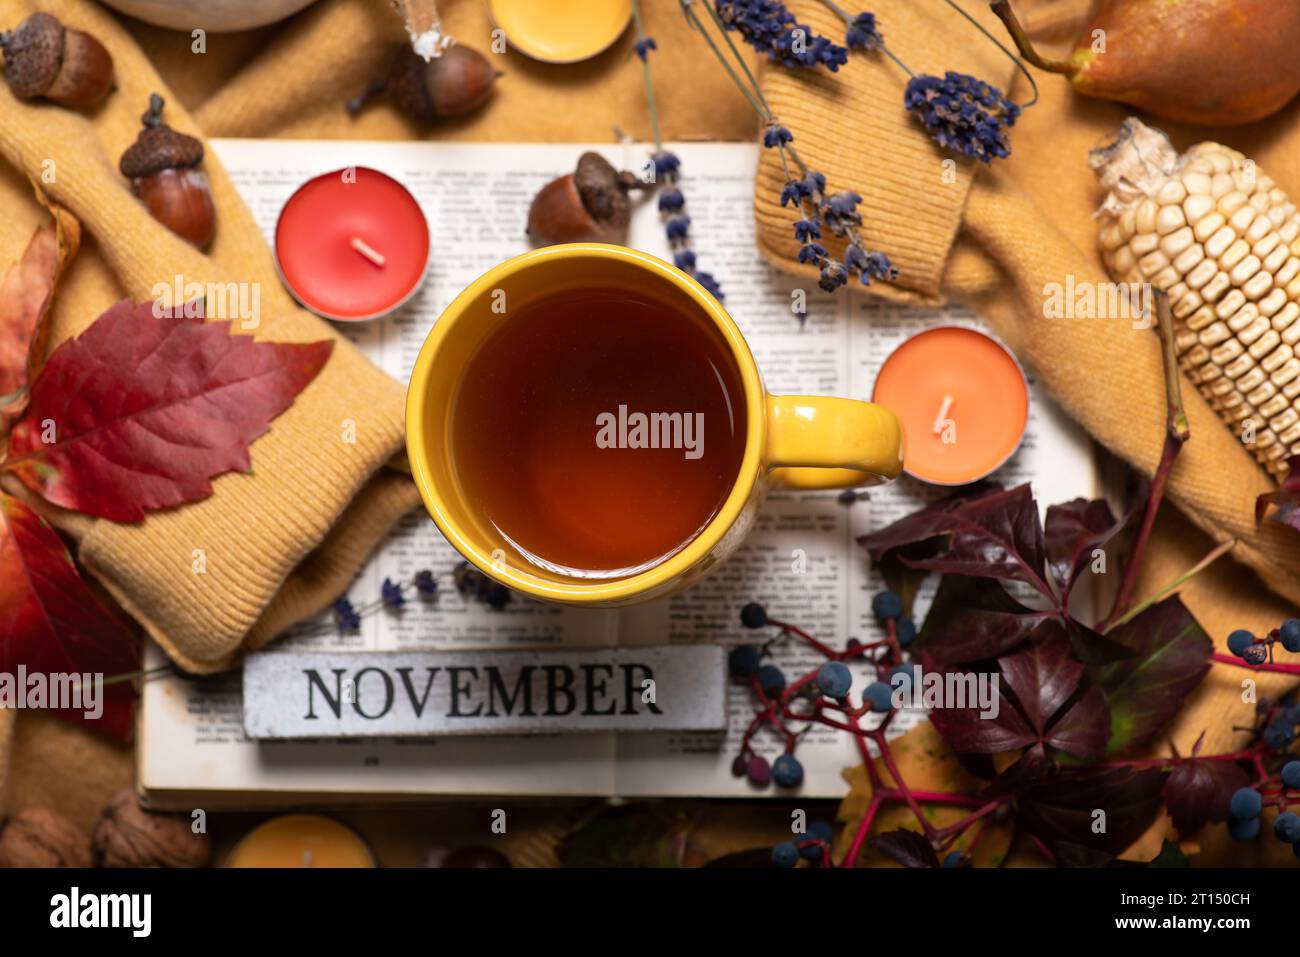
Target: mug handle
(822, 442)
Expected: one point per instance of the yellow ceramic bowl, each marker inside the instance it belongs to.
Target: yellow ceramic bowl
(807, 442)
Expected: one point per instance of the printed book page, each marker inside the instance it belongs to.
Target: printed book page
(802, 560)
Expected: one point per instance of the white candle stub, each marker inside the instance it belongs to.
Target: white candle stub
(941, 419)
(361, 246)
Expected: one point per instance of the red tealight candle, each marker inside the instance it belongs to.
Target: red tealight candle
(352, 244)
(962, 399)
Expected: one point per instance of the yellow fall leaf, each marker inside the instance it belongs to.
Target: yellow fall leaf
(927, 764)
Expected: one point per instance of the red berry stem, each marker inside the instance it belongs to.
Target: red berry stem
(1177, 432)
(796, 630)
(1272, 666)
(864, 829)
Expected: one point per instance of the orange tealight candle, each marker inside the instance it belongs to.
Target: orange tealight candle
(962, 399)
(301, 840)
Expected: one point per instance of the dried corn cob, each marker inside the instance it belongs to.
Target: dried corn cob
(1221, 239)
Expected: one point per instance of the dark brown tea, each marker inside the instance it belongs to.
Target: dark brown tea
(598, 431)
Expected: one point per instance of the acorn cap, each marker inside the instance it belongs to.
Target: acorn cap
(599, 185)
(159, 147)
(406, 86)
(33, 54)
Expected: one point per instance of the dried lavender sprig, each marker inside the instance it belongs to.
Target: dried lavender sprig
(470, 582)
(770, 28)
(672, 202)
(962, 113)
(839, 213)
(841, 216)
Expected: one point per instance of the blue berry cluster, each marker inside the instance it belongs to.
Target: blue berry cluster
(672, 208)
(832, 680)
(1248, 803)
(887, 606)
(1280, 732)
(963, 114)
(810, 846)
(1255, 651)
(772, 29)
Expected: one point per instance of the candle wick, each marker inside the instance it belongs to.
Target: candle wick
(941, 419)
(374, 255)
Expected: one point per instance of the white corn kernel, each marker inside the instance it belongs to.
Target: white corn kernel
(1223, 240)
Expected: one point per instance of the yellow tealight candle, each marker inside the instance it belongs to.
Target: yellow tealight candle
(561, 31)
(301, 840)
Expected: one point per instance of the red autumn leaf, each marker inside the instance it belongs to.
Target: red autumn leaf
(26, 292)
(51, 623)
(141, 411)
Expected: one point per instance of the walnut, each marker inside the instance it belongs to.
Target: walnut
(129, 836)
(39, 837)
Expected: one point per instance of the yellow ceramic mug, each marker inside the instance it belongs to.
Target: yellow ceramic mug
(805, 442)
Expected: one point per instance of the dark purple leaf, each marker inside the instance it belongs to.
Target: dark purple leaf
(1043, 675)
(1064, 810)
(1198, 793)
(1084, 727)
(1042, 698)
(757, 858)
(1171, 654)
(1046, 679)
(906, 847)
(1092, 647)
(1076, 856)
(1286, 497)
(973, 618)
(967, 729)
(994, 536)
(1070, 534)
(1171, 855)
(1029, 769)
(919, 525)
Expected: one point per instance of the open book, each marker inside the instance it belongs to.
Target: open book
(801, 561)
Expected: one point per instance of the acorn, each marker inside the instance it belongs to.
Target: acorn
(590, 204)
(45, 58)
(451, 84)
(163, 166)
